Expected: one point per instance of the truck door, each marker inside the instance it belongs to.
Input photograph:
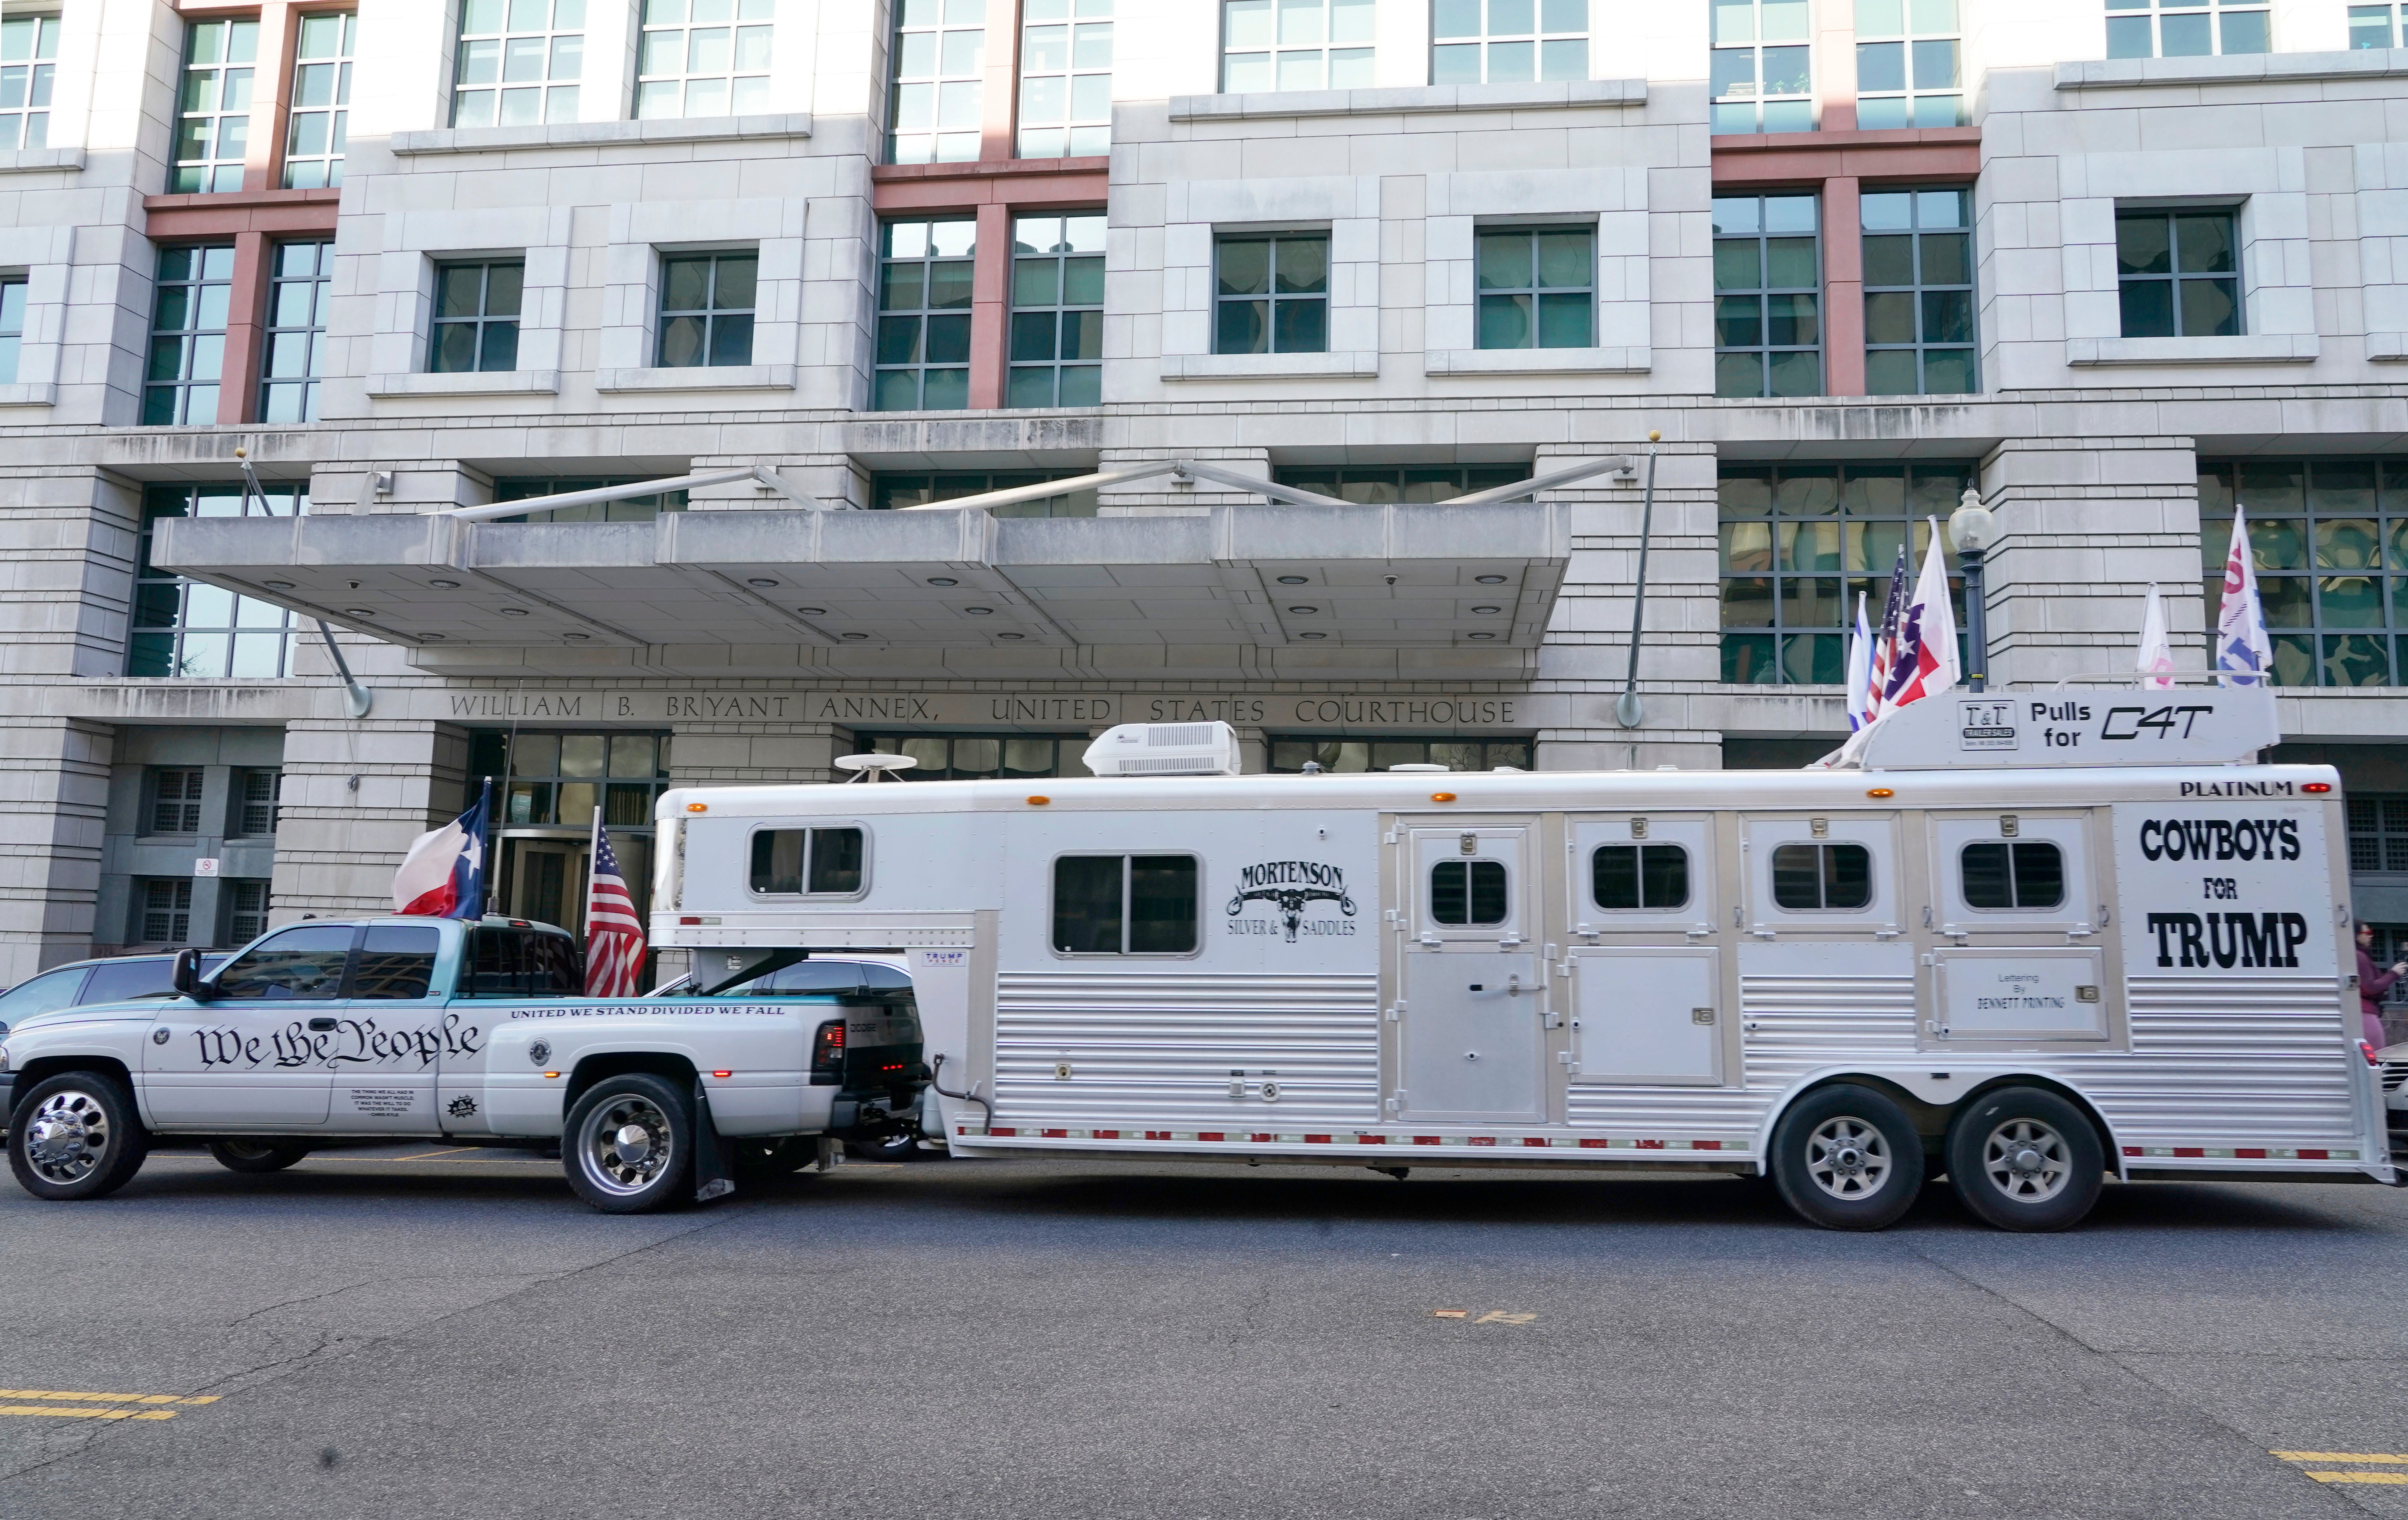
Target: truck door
(1644, 967)
(2018, 915)
(391, 1039)
(1471, 1045)
(256, 1053)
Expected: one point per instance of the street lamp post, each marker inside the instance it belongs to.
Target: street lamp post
(1971, 528)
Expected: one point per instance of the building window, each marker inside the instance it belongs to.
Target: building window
(1537, 288)
(1057, 312)
(924, 315)
(1767, 296)
(476, 325)
(1066, 79)
(519, 62)
(1272, 293)
(188, 333)
(322, 100)
(1919, 292)
(163, 913)
(1124, 905)
(176, 800)
(969, 757)
(1917, 80)
(246, 909)
(2374, 26)
(1762, 68)
(2330, 542)
(27, 46)
(294, 352)
(1291, 754)
(12, 325)
(253, 795)
(2378, 835)
(888, 491)
(2185, 28)
(625, 510)
(182, 628)
(1799, 543)
(707, 309)
(560, 779)
(213, 111)
(1378, 487)
(1508, 41)
(2178, 273)
(938, 109)
(704, 58)
(1297, 45)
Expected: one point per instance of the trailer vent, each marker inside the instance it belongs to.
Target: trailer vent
(1165, 749)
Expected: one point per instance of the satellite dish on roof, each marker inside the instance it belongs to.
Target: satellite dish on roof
(875, 766)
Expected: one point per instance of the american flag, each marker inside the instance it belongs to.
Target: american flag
(614, 935)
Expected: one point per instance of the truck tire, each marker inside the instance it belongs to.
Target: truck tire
(773, 1159)
(257, 1155)
(75, 1137)
(628, 1148)
(2023, 1159)
(1845, 1158)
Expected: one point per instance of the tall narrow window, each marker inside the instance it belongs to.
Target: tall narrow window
(1296, 45)
(2187, 28)
(182, 628)
(704, 58)
(12, 325)
(1917, 80)
(1762, 69)
(188, 330)
(322, 100)
(1767, 296)
(1057, 312)
(939, 98)
(246, 909)
(2374, 26)
(1537, 288)
(27, 46)
(294, 354)
(176, 800)
(1508, 41)
(519, 62)
(476, 323)
(924, 315)
(213, 107)
(1272, 293)
(1919, 292)
(2178, 273)
(1066, 77)
(256, 790)
(164, 916)
(707, 309)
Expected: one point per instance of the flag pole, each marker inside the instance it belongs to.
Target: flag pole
(592, 856)
(493, 868)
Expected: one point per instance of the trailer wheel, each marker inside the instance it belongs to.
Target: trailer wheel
(2023, 1159)
(629, 1145)
(1845, 1158)
(75, 1137)
(256, 1155)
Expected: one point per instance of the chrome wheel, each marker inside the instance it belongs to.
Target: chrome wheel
(1847, 1157)
(66, 1137)
(2026, 1160)
(627, 1144)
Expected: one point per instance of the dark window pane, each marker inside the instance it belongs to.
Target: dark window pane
(1245, 269)
(2141, 246)
(1948, 316)
(1984, 867)
(1087, 904)
(1303, 265)
(2210, 308)
(949, 341)
(1082, 334)
(1032, 335)
(685, 284)
(1665, 869)
(1890, 260)
(2040, 874)
(1450, 899)
(1847, 876)
(1502, 261)
(1564, 321)
(303, 962)
(395, 961)
(1030, 385)
(1613, 875)
(2148, 308)
(1947, 258)
(1892, 372)
(1162, 905)
(1739, 374)
(1798, 877)
(1889, 317)
(836, 860)
(454, 350)
(1302, 328)
(898, 342)
(1738, 324)
(1488, 896)
(504, 285)
(681, 342)
(732, 290)
(1243, 327)
(500, 350)
(778, 860)
(731, 338)
(1505, 322)
(1737, 265)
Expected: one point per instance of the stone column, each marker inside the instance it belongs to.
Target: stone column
(54, 808)
(355, 795)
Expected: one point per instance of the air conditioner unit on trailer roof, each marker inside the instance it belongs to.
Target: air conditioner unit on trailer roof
(1165, 749)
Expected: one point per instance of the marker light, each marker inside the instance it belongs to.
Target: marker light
(1442, 797)
(2317, 787)
(1879, 792)
(697, 806)
(551, 1076)
(1039, 802)
(723, 1073)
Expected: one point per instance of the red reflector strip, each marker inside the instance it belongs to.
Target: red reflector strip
(1705, 1146)
(1540, 1140)
(1590, 1142)
(2314, 1155)
(2250, 1154)
(2131, 1150)
(1210, 1135)
(1108, 1133)
(1371, 1140)
(1002, 1129)
(2190, 1150)
(1651, 1145)
(1483, 1139)
(1316, 1140)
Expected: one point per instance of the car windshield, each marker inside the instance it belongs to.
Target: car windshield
(41, 994)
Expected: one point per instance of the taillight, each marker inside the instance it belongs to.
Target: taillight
(2371, 1059)
(827, 1049)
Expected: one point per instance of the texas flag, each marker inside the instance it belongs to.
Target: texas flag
(443, 876)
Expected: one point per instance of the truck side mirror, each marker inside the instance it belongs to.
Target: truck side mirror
(186, 977)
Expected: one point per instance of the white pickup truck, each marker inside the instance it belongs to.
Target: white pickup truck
(470, 1033)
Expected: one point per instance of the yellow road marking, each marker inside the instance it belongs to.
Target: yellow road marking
(2343, 1457)
(2360, 1477)
(130, 1413)
(457, 1150)
(110, 1397)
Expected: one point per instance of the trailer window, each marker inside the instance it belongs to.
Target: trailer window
(1807, 877)
(1124, 905)
(1640, 876)
(520, 963)
(1468, 893)
(2025, 873)
(825, 862)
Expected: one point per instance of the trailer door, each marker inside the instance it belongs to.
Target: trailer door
(1471, 1043)
(1644, 969)
(2017, 955)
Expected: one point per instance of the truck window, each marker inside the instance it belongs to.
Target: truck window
(1808, 877)
(396, 960)
(1124, 905)
(1467, 891)
(520, 963)
(806, 862)
(1628, 876)
(304, 961)
(2025, 873)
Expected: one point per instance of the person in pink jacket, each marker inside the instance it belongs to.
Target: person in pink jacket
(2373, 984)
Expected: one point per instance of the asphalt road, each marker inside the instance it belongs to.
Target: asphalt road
(458, 1337)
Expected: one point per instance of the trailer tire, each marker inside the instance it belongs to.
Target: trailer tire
(2023, 1159)
(1845, 1158)
(628, 1146)
(254, 1156)
(76, 1136)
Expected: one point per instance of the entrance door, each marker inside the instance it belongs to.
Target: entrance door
(543, 879)
(1472, 1021)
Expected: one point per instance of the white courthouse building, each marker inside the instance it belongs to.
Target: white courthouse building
(1350, 308)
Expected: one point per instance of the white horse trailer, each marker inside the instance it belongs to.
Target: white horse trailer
(2034, 940)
